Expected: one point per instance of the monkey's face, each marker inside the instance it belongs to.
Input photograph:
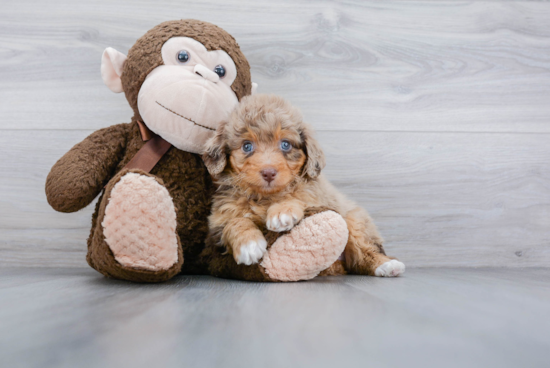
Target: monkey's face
(180, 80)
(185, 99)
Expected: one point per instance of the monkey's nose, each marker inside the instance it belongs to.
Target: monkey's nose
(206, 73)
(269, 174)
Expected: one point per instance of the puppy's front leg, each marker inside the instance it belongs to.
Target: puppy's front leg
(244, 240)
(284, 215)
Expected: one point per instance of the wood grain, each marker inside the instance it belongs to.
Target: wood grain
(358, 65)
(435, 116)
(440, 199)
(429, 318)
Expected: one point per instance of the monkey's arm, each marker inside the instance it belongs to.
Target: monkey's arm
(78, 177)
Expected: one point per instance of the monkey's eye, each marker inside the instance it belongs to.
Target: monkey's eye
(248, 147)
(183, 56)
(286, 146)
(219, 70)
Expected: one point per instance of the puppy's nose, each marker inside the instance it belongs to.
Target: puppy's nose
(269, 174)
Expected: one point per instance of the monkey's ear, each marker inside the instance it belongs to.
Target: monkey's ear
(315, 158)
(254, 88)
(215, 153)
(112, 63)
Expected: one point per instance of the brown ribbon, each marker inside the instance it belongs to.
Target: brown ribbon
(150, 153)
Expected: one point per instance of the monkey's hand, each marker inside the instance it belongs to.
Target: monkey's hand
(78, 177)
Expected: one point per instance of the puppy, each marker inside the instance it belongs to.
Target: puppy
(268, 168)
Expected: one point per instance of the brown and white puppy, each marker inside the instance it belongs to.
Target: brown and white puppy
(268, 168)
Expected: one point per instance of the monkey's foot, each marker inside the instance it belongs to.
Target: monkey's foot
(140, 224)
(310, 247)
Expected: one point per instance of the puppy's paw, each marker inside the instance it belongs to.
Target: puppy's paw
(391, 268)
(250, 252)
(283, 218)
(281, 222)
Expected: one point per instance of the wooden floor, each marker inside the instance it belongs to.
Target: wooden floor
(434, 115)
(428, 318)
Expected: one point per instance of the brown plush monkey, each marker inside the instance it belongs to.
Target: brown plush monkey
(181, 79)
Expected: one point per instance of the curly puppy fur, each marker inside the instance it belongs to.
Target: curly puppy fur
(265, 182)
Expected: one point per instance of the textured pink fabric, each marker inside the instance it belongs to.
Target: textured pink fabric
(140, 224)
(310, 247)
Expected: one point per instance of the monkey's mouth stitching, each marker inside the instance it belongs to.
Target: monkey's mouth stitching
(181, 116)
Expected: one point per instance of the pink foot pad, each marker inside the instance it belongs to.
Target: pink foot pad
(310, 247)
(140, 224)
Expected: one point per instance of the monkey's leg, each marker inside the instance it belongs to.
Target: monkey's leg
(302, 253)
(364, 252)
(134, 230)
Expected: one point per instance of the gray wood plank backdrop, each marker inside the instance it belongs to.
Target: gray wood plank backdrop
(434, 115)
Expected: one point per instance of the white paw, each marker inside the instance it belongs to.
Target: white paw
(281, 222)
(252, 252)
(391, 268)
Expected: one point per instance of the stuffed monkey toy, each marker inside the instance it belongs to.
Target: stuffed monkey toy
(182, 78)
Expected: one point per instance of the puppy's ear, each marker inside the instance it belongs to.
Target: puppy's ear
(315, 158)
(215, 153)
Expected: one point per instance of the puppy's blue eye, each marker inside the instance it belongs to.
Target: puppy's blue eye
(183, 56)
(219, 70)
(286, 146)
(248, 147)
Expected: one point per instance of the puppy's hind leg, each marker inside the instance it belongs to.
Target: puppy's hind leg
(364, 252)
